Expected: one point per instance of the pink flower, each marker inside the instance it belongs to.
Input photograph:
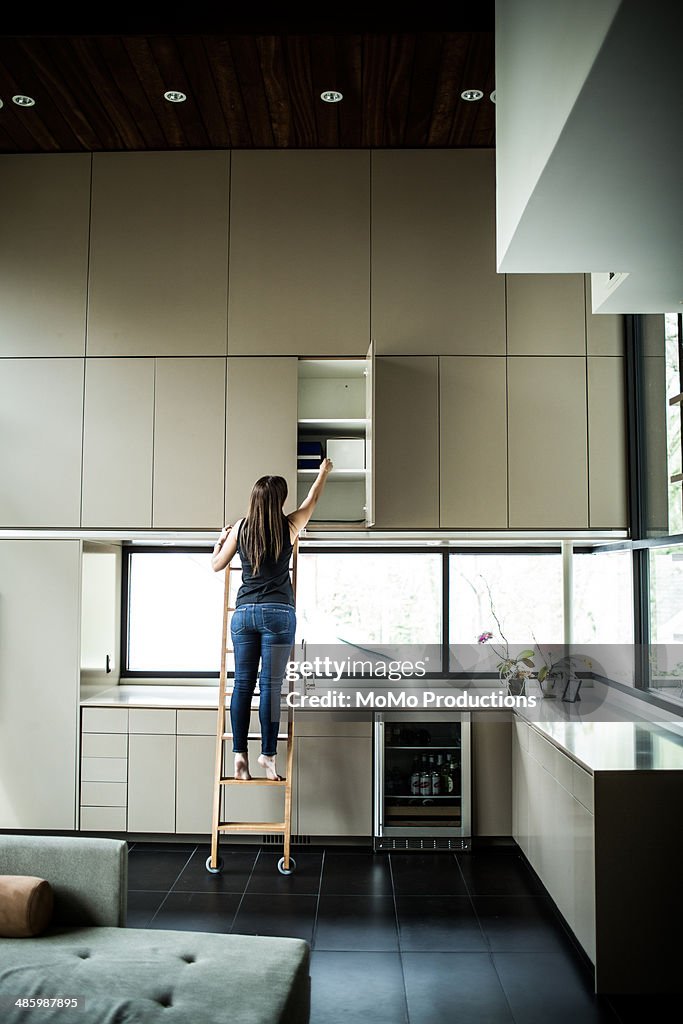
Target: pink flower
(484, 637)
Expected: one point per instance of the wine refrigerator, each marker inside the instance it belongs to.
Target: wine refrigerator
(422, 788)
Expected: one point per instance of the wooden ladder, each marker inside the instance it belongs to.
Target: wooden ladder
(214, 863)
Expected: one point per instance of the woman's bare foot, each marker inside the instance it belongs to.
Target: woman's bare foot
(242, 767)
(269, 764)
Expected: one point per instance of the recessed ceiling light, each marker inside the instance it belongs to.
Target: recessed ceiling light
(472, 94)
(174, 96)
(331, 96)
(493, 96)
(24, 101)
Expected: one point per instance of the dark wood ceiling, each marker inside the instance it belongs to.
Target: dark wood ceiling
(247, 88)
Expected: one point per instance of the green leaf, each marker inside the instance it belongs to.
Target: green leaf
(524, 655)
(542, 673)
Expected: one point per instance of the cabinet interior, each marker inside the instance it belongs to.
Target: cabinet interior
(332, 422)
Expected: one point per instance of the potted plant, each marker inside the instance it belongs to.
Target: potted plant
(513, 670)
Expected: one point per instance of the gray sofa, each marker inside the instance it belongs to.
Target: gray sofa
(130, 974)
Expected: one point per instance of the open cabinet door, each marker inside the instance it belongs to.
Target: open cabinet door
(369, 435)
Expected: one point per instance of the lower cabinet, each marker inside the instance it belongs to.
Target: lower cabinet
(334, 774)
(151, 770)
(554, 828)
(606, 845)
(195, 757)
(151, 783)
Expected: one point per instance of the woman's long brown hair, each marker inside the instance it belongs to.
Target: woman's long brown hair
(263, 530)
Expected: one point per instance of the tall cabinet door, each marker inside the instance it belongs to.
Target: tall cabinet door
(44, 253)
(189, 430)
(473, 442)
(434, 282)
(159, 254)
(607, 442)
(261, 428)
(406, 433)
(547, 431)
(40, 442)
(299, 252)
(118, 441)
(40, 583)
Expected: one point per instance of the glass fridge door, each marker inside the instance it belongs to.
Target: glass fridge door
(424, 777)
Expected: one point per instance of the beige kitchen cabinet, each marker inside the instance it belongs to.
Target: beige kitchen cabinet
(261, 428)
(40, 454)
(336, 411)
(195, 757)
(118, 443)
(607, 442)
(189, 454)
(299, 252)
(434, 283)
(472, 442)
(39, 661)
(547, 442)
(604, 331)
(334, 773)
(546, 315)
(195, 764)
(158, 254)
(44, 253)
(555, 829)
(151, 782)
(104, 778)
(406, 442)
(334, 785)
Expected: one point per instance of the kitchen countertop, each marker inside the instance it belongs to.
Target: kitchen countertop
(623, 742)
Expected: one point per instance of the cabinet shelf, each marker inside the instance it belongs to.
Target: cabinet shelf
(355, 424)
(676, 478)
(677, 399)
(336, 474)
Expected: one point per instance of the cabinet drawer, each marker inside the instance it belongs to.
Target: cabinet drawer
(104, 769)
(151, 721)
(582, 787)
(104, 744)
(196, 723)
(105, 719)
(104, 794)
(564, 770)
(522, 730)
(543, 751)
(103, 819)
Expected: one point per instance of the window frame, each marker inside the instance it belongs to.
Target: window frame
(443, 553)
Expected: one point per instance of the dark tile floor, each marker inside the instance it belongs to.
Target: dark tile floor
(396, 939)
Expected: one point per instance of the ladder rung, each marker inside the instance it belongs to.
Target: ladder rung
(229, 781)
(252, 826)
(253, 736)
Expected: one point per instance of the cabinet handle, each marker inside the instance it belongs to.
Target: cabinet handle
(107, 664)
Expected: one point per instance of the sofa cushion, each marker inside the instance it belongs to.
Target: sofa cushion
(134, 975)
(25, 905)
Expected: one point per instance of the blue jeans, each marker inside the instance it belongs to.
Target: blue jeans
(265, 633)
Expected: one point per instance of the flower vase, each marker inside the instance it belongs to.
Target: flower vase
(517, 686)
(547, 686)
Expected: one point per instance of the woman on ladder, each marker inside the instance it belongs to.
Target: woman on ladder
(263, 623)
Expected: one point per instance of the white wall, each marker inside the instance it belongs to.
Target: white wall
(607, 197)
(544, 52)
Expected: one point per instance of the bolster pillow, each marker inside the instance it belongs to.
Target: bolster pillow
(25, 906)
